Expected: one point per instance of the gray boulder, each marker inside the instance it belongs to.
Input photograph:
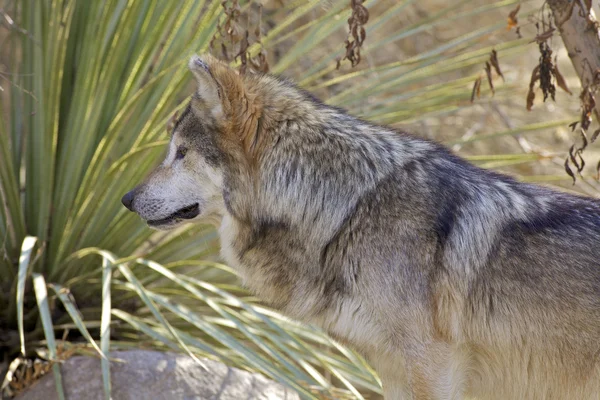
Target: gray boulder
(148, 375)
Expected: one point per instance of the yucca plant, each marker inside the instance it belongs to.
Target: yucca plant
(91, 87)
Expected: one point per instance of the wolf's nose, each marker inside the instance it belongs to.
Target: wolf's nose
(127, 200)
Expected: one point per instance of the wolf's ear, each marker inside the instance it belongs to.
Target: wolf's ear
(223, 97)
(218, 87)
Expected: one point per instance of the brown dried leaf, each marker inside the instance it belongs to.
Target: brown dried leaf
(569, 171)
(545, 71)
(573, 125)
(535, 75)
(560, 80)
(530, 99)
(235, 40)
(235, 33)
(357, 36)
(584, 141)
(581, 160)
(587, 98)
(257, 32)
(361, 14)
(495, 64)
(542, 37)
(224, 53)
(592, 102)
(260, 63)
(572, 156)
(512, 17)
(586, 119)
(476, 89)
(243, 53)
(588, 103)
(518, 32)
(595, 135)
(488, 73)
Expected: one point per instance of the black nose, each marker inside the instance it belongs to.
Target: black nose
(127, 200)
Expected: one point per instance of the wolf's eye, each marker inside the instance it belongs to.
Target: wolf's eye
(180, 153)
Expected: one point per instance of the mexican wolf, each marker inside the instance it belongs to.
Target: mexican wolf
(453, 281)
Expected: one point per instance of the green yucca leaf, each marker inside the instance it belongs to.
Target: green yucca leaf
(143, 294)
(283, 335)
(252, 356)
(146, 329)
(511, 132)
(69, 302)
(12, 223)
(105, 324)
(215, 306)
(41, 295)
(26, 251)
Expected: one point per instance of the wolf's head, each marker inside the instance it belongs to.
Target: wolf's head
(221, 119)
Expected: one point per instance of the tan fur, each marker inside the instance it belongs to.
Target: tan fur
(454, 282)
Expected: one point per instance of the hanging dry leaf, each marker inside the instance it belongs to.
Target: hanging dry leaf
(488, 73)
(560, 80)
(581, 161)
(243, 53)
(512, 17)
(495, 64)
(535, 75)
(569, 171)
(572, 156)
(518, 32)
(573, 125)
(476, 89)
(546, 68)
(588, 103)
(224, 53)
(357, 35)
(530, 99)
(542, 37)
(235, 39)
(584, 141)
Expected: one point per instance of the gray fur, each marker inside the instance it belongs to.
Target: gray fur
(452, 280)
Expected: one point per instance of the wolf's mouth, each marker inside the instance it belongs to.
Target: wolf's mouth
(188, 212)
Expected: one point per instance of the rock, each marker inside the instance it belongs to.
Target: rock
(155, 375)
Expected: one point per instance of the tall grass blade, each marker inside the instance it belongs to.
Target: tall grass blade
(26, 251)
(41, 295)
(512, 132)
(69, 302)
(105, 325)
(143, 294)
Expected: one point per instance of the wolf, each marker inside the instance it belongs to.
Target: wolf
(453, 281)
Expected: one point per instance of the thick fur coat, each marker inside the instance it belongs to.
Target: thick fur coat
(451, 280)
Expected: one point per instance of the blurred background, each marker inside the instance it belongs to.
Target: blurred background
(87, 89)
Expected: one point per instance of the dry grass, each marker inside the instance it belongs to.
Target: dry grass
(488, 115)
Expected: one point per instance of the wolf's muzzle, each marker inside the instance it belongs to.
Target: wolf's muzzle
(188, 212)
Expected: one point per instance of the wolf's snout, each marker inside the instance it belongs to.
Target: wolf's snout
(127, 200)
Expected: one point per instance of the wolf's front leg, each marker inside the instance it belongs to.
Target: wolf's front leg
(429, 371)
